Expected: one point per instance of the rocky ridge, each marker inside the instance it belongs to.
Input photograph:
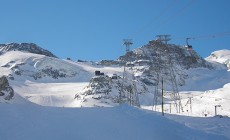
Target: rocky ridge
(25, 47)
(6, 91)
(148, 64)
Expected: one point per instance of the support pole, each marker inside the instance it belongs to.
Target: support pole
(170, 107)
(216, 109)
(179, 107)
(127, 43)
(162, 102)
(190, 101)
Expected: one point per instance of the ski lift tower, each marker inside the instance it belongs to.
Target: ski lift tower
(132, 97)
(127, 43)
(168, 67)
(163, 38)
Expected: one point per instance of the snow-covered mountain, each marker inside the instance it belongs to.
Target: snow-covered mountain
(67, 83)
(27, 72)
(43, 79)
(24, 47)
(221, 56)
(150, 64)
(27, 65)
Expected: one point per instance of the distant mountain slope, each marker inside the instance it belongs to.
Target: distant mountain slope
(221, 56)
(25, 47)
(24, 65)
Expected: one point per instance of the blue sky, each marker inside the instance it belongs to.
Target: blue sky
(94, 29)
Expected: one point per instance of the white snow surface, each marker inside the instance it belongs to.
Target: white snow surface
(21, 122)
(50, 94)
(221, 56)
(22, 119)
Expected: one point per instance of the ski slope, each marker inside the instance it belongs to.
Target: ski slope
(124, 123)
(50, 94)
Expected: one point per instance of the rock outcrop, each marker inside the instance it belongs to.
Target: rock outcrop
(6, 91)
(25, 47)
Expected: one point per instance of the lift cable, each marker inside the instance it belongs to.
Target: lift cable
(210, 36)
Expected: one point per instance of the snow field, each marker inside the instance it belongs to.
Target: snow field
(50, 94)
(35, 122)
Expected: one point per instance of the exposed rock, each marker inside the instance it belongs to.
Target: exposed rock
(17, 72)
(5, 89)
(156, 59)
(149, 64)
(106, 90)
(101, 88)
(100, 84)
(3, 82)
(28, 69)
(81, 60)
(25, 47)
(155, 52)
(10, 76)
(109, 62)
(54, 73)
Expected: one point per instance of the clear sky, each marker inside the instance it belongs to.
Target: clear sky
(94, 29)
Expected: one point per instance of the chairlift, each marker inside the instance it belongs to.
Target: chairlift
(189, 47)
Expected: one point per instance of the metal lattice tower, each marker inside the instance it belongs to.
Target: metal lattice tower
(163, 38)
(175, 95)
(132, 96)
(167, 66)
(127, 43)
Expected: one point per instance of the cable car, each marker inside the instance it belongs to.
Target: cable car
(189, 47)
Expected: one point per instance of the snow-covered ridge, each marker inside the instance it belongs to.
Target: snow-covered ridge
(25, 47)
(221, 56)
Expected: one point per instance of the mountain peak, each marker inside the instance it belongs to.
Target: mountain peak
(159, 53)
(25, 47)
(220, 56)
